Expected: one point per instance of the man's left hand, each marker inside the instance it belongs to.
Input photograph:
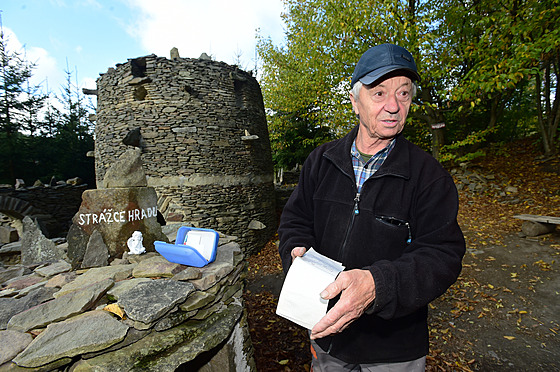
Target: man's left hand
(358, 292)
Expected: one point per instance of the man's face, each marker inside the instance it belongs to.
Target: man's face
(383, 108)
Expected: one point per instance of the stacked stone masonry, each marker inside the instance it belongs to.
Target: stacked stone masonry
(205, 141)
(52, 206)
(142, 313)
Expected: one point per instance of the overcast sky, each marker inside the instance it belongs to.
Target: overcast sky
(89, 36)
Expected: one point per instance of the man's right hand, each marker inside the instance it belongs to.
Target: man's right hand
(298, 252)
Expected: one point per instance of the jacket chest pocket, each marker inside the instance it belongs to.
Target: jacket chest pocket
(377, 237)
(401, 226)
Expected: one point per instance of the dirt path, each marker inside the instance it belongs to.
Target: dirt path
(504, 312)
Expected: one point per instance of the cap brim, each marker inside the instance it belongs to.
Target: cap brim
(379, 73)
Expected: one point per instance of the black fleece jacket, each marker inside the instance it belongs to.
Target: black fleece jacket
(402, 228)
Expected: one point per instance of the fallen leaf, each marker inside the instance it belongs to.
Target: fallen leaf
(115, 309)
(284, 361)
(509, 338)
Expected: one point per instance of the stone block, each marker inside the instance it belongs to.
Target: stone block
(116, 213)
(531, 228)
(8, 235)
(35, 247)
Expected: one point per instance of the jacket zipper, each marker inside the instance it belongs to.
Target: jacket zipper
(355, 212)
(355, 209)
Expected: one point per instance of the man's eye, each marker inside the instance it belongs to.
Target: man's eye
(404, 95)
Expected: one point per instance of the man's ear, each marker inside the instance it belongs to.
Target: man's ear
(354, 104)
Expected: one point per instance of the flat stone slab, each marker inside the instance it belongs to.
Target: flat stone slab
(212, 274)
(89, 332)
(197, 300)
(13, 342)
(227, 257)
(12, 306)
(157, 266)
(188, 274)
(165, 351)
(149, 301)
(24, 281)
(14, 247)
(53, 269)
(26, 290)
(540, 219)
(97, 274)
(60, 280)
(229, 252)
(11, 272)
(61, 308)
(124, 286)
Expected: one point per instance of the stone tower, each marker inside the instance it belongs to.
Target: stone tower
(204, 141)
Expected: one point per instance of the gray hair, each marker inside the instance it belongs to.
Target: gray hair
(358, 86)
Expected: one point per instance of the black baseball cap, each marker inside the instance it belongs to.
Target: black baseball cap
(381, 60)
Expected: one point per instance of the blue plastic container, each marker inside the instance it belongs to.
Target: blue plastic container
(193, 247)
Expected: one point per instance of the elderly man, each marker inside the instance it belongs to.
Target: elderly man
(387, 211)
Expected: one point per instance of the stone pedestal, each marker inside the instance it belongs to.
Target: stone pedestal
(115, 213)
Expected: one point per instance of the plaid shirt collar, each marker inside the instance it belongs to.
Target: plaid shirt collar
(365, 169)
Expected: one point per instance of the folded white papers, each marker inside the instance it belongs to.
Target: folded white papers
(300, 299)
(201, 241)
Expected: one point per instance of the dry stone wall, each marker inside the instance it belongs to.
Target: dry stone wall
(43, 203)
(142, 313)
(204, 141)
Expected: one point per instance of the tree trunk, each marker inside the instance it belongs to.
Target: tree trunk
(549, 118)
(438, 140)
(436, 121)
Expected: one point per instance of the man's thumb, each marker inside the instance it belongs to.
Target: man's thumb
(330, 292)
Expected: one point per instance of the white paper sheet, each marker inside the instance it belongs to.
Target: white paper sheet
(202, 241)
(300, 299)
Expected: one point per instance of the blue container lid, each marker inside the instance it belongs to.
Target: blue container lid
(193, 247)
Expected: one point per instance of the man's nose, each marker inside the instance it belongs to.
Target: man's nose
(392, 104)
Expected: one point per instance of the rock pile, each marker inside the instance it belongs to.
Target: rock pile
(477, 182)
(140, 313)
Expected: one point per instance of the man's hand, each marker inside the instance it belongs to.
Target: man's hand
(298, 252)
(358, 292)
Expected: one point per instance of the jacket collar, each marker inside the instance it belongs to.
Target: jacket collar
(396, 164)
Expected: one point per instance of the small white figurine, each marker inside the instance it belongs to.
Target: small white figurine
(135, 243)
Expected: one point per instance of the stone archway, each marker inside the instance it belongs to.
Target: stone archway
(17, 209)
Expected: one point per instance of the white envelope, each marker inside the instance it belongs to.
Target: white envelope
(300, 300)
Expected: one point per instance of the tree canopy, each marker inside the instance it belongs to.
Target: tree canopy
(42, 135)
(489, 71)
